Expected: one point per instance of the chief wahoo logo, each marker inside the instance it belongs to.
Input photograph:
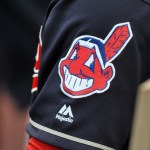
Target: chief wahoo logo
(87, 68)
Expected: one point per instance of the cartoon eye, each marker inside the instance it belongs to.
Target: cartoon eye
(90, 62)
(74, 55)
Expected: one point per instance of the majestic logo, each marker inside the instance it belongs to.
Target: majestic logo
(87, 67)
(65, 114)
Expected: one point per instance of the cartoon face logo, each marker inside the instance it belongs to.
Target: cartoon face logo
(87, 67)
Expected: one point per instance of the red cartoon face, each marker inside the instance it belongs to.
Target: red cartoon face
(82, 71)
(87, 67)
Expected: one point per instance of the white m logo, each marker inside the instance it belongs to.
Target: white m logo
(66, 111)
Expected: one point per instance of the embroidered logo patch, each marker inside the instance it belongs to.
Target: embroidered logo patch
(87, 67)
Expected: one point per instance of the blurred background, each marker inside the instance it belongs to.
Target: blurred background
(140, 136)
(20, 23)
(19, 28)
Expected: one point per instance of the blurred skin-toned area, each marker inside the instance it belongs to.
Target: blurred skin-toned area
(12, 123)
(19, 28)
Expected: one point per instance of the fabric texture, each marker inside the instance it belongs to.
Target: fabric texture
(91, 58)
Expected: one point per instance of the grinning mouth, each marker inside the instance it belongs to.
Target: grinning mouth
(75, 83)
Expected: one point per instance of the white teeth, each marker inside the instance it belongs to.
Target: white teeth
(75, 83)
(90, 83)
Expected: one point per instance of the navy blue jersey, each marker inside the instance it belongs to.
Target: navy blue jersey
(92, 55)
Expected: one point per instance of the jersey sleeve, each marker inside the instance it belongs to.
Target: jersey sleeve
(94, 56)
